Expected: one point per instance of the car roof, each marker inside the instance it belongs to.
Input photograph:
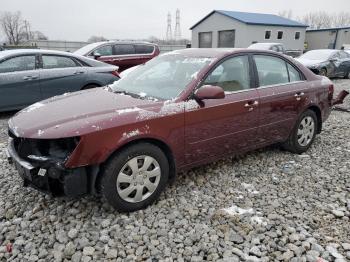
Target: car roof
(7, 53)
(216, 52)
(91, 62)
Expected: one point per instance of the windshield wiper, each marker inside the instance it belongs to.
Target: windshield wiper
(121, 91)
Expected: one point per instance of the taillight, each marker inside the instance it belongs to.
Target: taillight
(115, 73)
(330, 91)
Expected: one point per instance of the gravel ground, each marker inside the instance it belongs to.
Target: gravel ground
(268, 205)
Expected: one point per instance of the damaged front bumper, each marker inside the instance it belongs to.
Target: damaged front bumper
(50, 176)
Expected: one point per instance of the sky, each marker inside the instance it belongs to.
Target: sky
(77, 20)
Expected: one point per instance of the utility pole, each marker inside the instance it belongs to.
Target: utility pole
(177, 27)
(169, 36)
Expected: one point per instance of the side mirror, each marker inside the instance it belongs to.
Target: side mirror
(209, 92)
(96, 55)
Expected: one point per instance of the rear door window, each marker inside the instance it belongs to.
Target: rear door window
(271, 70)
(19, 63)
(294, 75)
(144, 49)
(51, 62)
(124, 49)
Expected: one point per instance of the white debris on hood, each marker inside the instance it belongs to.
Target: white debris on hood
(131, 133)
(169, 108)
(40, 132)
(127, 110)
(33, 107)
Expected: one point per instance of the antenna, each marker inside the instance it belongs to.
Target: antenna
(177, 27)
(169, 36)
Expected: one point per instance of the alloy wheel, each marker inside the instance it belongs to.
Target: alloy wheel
(306, 131)
(138, 179)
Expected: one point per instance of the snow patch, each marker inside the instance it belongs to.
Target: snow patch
(33, 107)
(40, 132)
(235, 210)
(127, 110)
(250, 188)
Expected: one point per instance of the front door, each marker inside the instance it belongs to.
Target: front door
(223, 126)
(19, 82)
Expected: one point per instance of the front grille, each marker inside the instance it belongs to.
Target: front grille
(58, 149)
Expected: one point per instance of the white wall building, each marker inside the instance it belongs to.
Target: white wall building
(332, 38)
(240, 29)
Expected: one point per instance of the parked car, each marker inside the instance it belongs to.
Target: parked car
(27, 76)
(178, 111)
(120, 53)
(277, 47)
(327, 62)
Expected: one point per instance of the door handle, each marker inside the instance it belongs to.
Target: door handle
(79, 72)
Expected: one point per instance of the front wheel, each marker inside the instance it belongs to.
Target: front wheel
(303, 134)
(135, 177)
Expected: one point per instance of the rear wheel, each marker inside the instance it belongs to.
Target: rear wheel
(303, 134)
(135, 177)
(347, 75)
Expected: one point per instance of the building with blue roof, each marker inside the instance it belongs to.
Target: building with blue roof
(222, 28)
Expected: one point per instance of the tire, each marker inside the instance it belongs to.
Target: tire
(89, 86)
(347, 75)
(323, 72)
(118, 176)
(295, 143)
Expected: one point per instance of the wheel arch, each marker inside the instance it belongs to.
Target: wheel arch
(91, 84)
(318, 113)
(157, 142)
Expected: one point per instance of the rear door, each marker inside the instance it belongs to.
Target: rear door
(19, 82)
(223, 126)
(282, 91)
(344, 66)
(125, 56)
(60, 74)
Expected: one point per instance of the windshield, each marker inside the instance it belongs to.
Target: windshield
(86, 49)
(163, 77)
(318, 54)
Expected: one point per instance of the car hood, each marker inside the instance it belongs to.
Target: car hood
(309, 62)
(78, 113)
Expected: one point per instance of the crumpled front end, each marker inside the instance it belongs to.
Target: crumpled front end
(41, 164)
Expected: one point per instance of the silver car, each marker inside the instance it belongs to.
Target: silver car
(27, 76)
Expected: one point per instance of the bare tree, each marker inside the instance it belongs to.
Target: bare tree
(341, 19)
(286, 13)
(37, 35)
(13, 26)
(94, 39)
(317, 20)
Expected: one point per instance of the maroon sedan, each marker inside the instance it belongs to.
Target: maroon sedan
(180, 110)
